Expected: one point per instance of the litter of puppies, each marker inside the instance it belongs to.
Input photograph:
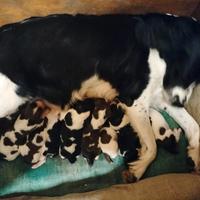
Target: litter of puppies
(88, 128)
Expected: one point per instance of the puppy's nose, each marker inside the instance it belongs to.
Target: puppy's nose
(177, 102)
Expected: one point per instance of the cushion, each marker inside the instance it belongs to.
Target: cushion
(59, 177)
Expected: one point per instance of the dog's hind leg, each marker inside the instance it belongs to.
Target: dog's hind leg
(139, 119)
(9, 99)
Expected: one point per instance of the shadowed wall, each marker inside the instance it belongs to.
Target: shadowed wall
(15, 10)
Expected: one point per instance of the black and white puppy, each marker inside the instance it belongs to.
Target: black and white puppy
(72, 126)
(128, 140)
(20, 132)
(90, 147)
(151, 60)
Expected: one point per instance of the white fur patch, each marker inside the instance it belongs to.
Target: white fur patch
(154, 88)
(110, 148)
(71, 148)
(138, 113)
(77, 119)
(9, 100)
(193, 18)
(21, 124)
(87, 134)
(169, 14)
(97, 123)
(158, 121)
(180, 92)
(6, 150)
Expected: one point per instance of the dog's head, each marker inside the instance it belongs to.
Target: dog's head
(178, 95)
(177, 80)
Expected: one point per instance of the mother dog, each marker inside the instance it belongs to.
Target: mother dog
(145, 60)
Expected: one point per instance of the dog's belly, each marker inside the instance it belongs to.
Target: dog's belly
(93, 87)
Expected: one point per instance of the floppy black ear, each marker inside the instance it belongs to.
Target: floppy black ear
(83, 106)
(117, 115)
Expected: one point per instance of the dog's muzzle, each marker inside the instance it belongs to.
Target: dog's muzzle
(177, 102)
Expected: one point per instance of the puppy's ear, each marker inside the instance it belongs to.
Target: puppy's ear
(83, 106)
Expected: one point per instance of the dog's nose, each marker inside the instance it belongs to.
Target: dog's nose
(177, 102)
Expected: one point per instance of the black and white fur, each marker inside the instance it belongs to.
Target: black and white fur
(151, 60)
(72, 126)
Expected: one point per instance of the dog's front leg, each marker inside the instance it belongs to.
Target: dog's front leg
(138, 115)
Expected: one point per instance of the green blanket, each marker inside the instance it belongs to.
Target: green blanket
(59, 177)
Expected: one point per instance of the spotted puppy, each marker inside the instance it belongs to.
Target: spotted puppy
(127, 137)
(72, 129)
(166, 137)
(91, 148)
(18, 128)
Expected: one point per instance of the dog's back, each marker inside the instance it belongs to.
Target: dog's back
(50, 57)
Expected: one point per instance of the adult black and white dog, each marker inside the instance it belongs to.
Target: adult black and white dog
(146, 60)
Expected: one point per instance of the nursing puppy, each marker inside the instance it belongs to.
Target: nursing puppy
(72, 126)
(21, 133)
(149, 60)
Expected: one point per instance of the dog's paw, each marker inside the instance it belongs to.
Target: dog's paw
(39, 163)
(137, 168)
(128, 177)
(193, 158)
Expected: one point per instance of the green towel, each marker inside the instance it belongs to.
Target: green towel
(59, 177)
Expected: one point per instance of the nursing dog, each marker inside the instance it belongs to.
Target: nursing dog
(150, 60)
